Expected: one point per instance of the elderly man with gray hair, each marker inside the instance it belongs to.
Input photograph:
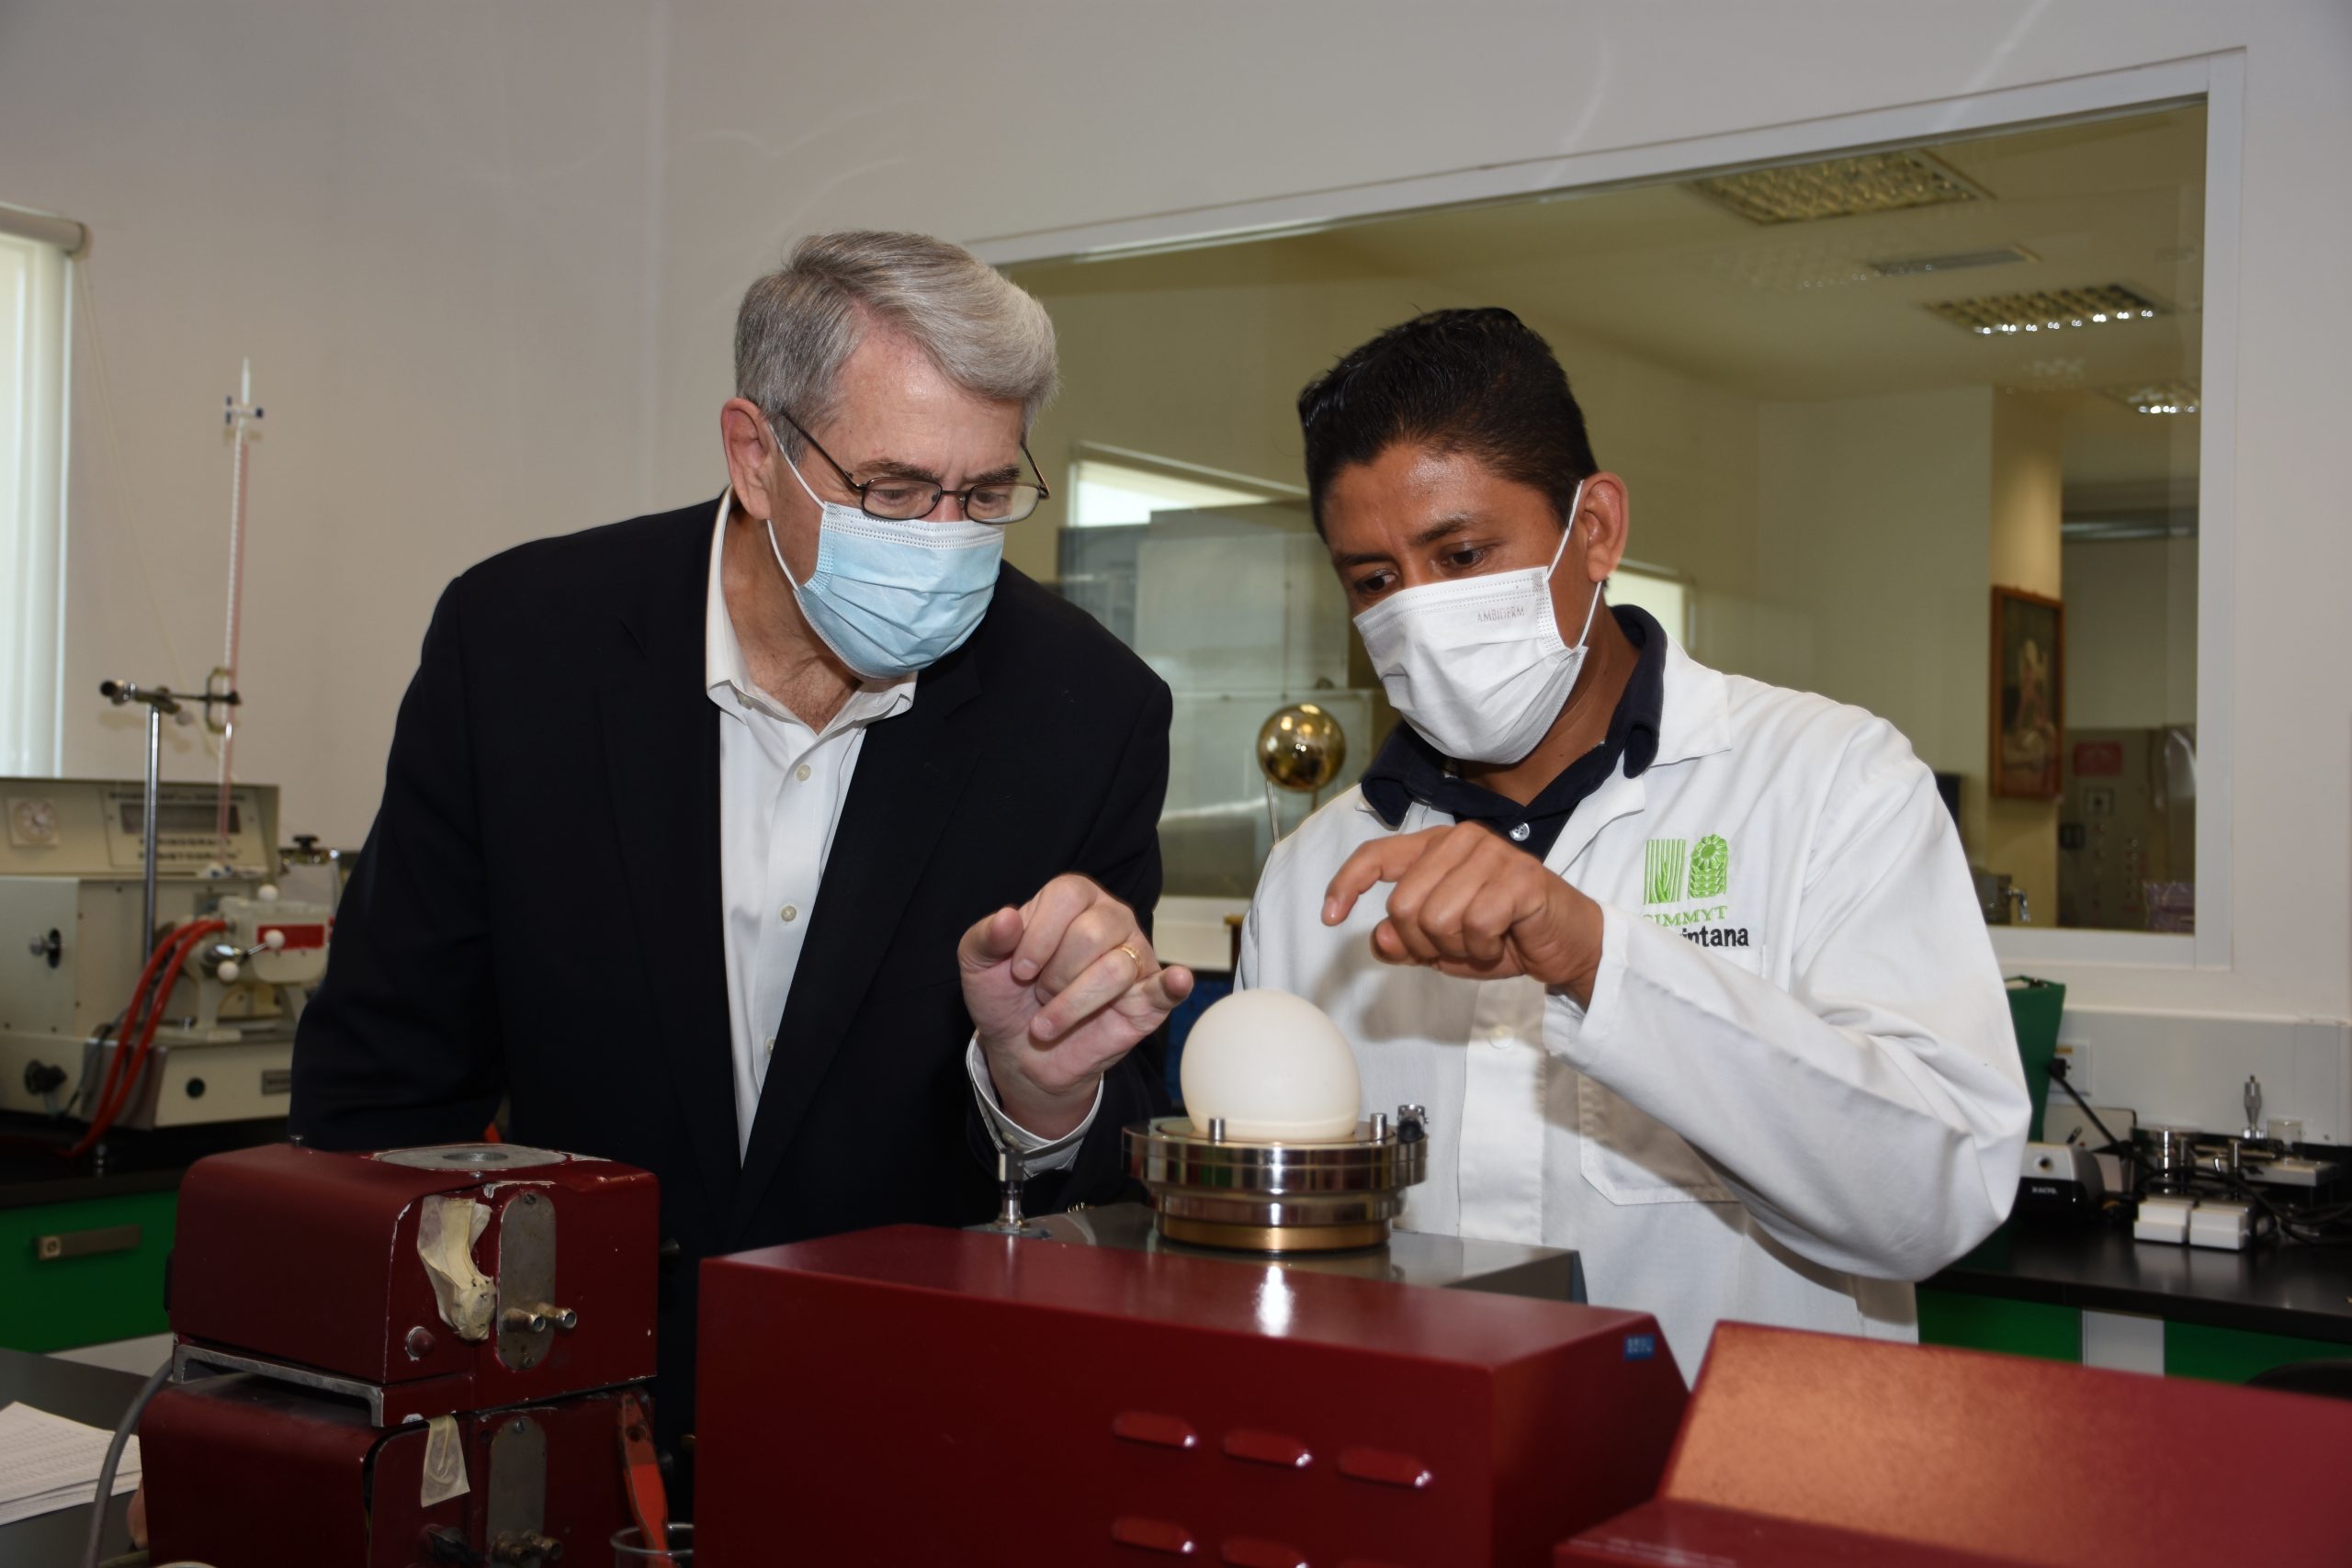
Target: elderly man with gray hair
(792, 847)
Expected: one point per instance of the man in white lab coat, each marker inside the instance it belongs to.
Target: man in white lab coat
(1687, 970)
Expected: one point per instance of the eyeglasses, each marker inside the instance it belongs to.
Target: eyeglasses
(898, 498)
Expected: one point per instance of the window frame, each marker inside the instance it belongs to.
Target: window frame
(1083, 452)
(33, 609)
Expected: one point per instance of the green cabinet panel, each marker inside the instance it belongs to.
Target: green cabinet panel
(1991, 1322)
(2234, 1355)
(60, 1303)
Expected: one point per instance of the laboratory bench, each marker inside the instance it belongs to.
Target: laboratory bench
(2087, 1292)
(83, 1244)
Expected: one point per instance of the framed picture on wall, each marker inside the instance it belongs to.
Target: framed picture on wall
(2029, 695)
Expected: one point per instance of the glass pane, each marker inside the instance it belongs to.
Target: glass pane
(1109, 494)
(1850, 400)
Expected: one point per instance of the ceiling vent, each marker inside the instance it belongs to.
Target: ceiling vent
(1839, 188)
(2048, 310)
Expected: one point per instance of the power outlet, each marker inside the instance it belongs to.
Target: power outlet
(2076, 1055)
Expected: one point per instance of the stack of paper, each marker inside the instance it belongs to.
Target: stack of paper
(48, 1462)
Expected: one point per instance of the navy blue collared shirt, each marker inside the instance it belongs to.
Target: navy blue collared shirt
(1410, 768)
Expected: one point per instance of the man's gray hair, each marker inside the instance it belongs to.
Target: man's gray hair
(799, 324)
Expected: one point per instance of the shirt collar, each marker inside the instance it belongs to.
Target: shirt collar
(728, 680)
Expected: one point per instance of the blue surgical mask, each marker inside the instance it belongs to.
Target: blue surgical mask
(892, 598)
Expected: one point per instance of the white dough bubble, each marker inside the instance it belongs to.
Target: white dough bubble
(1274, 1066)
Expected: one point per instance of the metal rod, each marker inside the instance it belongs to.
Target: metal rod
(155, 789)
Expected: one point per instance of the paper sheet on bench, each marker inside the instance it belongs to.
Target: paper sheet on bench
(48, 1462)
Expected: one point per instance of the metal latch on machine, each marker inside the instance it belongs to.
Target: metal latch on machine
(527, 1317)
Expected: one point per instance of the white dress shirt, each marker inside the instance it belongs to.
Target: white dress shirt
(780, 789)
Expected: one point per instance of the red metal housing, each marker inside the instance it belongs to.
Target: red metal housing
(375, 1420)
(1814, 1451)
(254, 1475)
(917, 1395)
(294, 1255)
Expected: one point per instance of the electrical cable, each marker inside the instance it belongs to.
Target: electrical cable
(123, 1430)
(2308, 1226)
(185, 947)
(172, 951)
(2114, 1145)
(123, 1029)
(162, 964)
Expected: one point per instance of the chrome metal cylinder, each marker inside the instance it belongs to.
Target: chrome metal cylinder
(1268, 1196)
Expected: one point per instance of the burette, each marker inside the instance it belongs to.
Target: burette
(240, 417)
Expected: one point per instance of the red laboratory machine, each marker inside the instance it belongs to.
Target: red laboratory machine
(1814, 1451)
(416, 1357)
(911, 1395)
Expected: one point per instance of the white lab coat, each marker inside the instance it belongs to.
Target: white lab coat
(1786, 1129)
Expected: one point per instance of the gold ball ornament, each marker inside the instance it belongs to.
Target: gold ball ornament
(1301, 748)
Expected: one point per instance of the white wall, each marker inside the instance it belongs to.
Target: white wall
(482, 253)
(428, 225)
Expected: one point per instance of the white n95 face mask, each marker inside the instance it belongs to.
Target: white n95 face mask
(1478, 665)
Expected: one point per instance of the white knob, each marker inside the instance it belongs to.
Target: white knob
(229, 971)
(266, 893)
(274, 940)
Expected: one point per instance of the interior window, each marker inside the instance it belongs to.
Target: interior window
(1913, 428)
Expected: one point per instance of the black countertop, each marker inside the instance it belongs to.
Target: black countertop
(96, 1396)
(2273, 1287)
(33, 1172)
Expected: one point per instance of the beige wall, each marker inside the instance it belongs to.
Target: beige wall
(2132, 634)
(1872, 544)
(486, 259)
(1199, 357)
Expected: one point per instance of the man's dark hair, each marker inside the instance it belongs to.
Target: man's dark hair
(1474, 382)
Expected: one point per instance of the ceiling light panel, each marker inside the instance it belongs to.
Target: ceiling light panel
(2157, 397)
(1839, 188)
(1957, 261)
(2048, 310)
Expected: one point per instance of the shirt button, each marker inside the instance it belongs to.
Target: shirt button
(790, 913)
(770, 1047)
(1518, 834)
(801, 772)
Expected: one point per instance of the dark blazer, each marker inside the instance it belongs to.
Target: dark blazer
(537, 913)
